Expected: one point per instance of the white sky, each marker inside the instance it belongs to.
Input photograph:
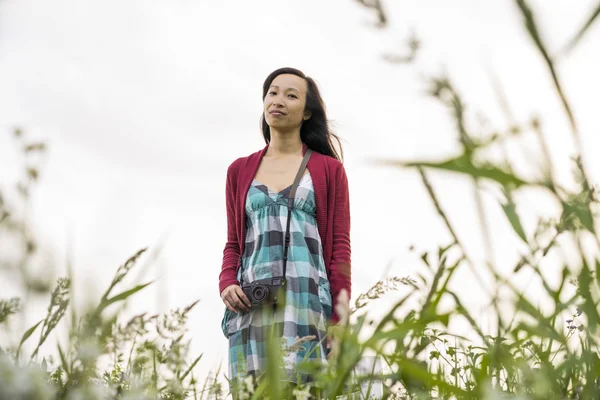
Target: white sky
(145, 103)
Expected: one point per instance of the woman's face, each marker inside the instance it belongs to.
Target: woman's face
(285, 101)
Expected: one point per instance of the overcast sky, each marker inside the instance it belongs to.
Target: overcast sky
(144, 104)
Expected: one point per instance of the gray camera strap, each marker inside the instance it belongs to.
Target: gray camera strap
(299, 176)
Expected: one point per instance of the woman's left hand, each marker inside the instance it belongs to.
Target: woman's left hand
(329, 344)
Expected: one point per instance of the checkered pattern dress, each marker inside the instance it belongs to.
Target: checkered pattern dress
(308, 298)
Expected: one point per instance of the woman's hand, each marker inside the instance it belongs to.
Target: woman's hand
(330, 345)
(234, 298)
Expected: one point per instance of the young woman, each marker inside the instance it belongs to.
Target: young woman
(317, 266)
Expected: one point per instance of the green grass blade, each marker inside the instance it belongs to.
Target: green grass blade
(464, 164)
(510, 210)
(582, 31)
(274, 362)
(186, 373)
(124, 295)
(26, 336)
(531, 27)
(63, 360)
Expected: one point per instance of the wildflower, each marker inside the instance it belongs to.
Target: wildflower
(297, 345)
(302, 394)
(249, 382)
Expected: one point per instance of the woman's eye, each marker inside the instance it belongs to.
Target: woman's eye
(272, 93)
(293, 96)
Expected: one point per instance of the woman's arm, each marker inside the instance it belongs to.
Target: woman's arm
(231, 252)
(340, 271)
(229, 288)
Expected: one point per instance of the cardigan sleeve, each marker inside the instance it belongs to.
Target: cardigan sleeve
(340, 273)
(231, 252)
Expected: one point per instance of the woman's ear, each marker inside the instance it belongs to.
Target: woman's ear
(307, 115)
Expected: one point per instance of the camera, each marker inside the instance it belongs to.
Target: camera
(265, 291)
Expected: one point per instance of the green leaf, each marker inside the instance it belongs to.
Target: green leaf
(597, 272)
(589, 307)
(584, 29)
(190, 368)
(534, 33)
(415, 376)
(525, 306)
(260, 389)
(27, 334)
(424, 257)
(586, 218)
(511, 213)
(540, 331)
(124, 295)
(63, 360)
(443, 250)
(273, 372)
(582, 212)
(464, 164)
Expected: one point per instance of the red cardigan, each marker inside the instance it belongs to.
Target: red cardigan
(333, 217)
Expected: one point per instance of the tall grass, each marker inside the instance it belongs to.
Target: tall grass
(533, 353)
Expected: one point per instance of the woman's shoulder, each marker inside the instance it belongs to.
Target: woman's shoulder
(332, 164)
(241, 162)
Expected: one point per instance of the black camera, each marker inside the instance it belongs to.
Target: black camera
(266, 291)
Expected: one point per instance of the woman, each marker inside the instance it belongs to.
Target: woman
(318, 260)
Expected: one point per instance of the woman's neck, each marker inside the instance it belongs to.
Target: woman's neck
(283, 145)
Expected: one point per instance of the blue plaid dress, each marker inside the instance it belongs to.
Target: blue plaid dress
(308, 298)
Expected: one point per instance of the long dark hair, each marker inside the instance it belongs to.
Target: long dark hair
(315, 132)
